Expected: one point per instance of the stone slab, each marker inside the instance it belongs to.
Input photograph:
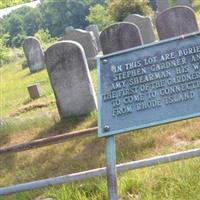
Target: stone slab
(94, 29)
(120, 36)
(34, 54)
(176, 21)
(145, 25)
(70, 79)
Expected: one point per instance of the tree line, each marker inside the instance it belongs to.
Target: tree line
(51, 17)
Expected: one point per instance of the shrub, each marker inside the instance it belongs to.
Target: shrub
(4, 51)
(45, 38)
(99, 16)
(119, 9)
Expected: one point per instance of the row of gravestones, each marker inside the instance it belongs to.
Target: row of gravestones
(89, 39)
(67, 64)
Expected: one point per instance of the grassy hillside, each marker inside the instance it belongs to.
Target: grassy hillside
(25, 120)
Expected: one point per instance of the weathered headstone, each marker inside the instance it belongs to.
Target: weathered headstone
(144, 24)
(176, 21)
(34, 91)
(162, 5)
(87, 40)
(68, 29)
(70, 78)
(34, 54)
(94, 28)
(120, 36)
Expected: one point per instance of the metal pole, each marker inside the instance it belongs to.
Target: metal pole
(111, 167)
(100, 172)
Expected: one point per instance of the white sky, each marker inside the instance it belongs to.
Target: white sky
(6, 11)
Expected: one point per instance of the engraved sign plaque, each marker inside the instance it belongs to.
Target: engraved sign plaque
(149, 85)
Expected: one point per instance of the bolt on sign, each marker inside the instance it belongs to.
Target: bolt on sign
(149, 85)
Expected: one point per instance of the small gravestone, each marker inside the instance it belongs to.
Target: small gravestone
(34, 54)
(120, 36)
(176, 21)
(70, 78)
(94, 29)
(162, 5)
(144, 24)
(87, 40)
(68, 29)
(34, 91)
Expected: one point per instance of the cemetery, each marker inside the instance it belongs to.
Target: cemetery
(100, 100)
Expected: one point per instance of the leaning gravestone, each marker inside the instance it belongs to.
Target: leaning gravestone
(162, 5)
(94, 29)
(87, 40)
(120, 36)
(144, 24)
(70, 78)
(176, 21)
(34, 54)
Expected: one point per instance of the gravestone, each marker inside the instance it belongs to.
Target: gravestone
(94, 29)
(34, 54)
(34, 91)
(120, 36)
(87, 40)
(70, 78)
(162, 5)
(68, 29)
(144, 24)
(176, 21)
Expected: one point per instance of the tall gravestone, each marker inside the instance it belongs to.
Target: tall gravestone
(162, 5)
(94, 29)
(34, 54)
(144, 24)
(87, 40)
(176, 21)
(70, 78)
(120, 36)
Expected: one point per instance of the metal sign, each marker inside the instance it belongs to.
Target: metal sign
(149, 85)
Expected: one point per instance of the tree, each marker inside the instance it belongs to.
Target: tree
(99, 16)
(57, 15)
(119, 9)
(32, 21)
(15, 25)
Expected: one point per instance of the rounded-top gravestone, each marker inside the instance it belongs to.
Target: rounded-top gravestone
(176, 21)
(87, 40)
(34, 54)
(70, 78)
(144, 24)
(120, 36)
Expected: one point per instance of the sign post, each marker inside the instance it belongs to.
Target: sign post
(147, 86)
(111, 168)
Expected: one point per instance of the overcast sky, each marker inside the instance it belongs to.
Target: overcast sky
(6, 11)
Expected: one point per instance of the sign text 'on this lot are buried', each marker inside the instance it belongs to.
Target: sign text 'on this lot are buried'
(149, 85)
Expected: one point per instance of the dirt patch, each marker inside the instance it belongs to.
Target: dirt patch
(29, 107)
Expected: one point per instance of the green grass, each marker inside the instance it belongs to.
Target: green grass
(25, 120)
